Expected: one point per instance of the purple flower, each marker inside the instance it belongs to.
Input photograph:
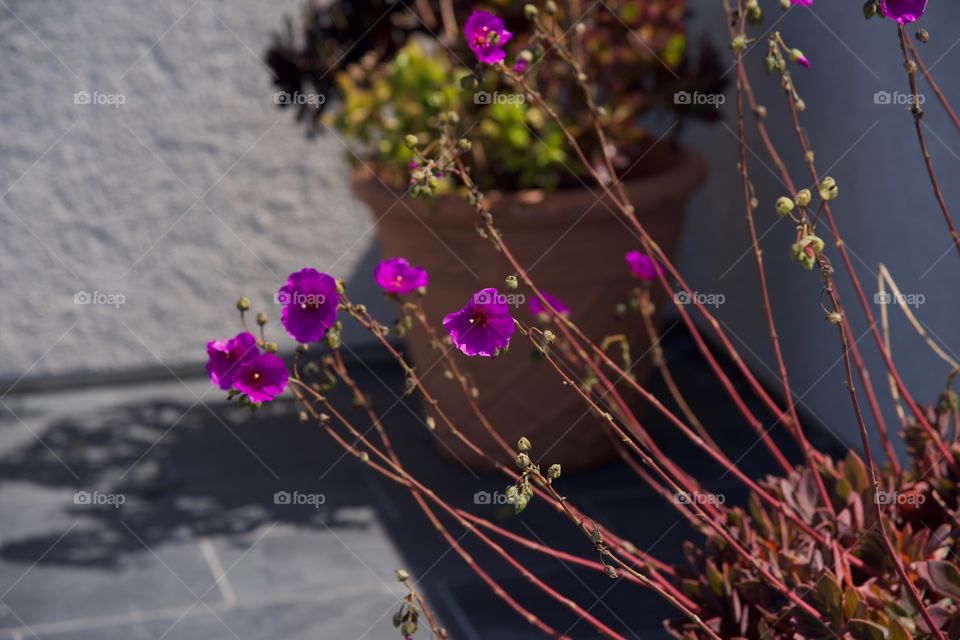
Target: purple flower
(486, 36)
(483, 327)
(641, 266)
(262, 378)
(536, 307)
(227, 357)
(903, 11)
(396, 275)
(309, 300)
(520, 65)
(802, 3)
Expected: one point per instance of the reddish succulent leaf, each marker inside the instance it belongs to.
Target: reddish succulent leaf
(943, 576)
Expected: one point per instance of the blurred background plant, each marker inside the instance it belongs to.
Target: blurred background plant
(388, 70)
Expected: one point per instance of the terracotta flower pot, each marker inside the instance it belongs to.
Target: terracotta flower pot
(573, 245)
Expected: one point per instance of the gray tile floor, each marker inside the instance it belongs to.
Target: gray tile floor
(199, 548)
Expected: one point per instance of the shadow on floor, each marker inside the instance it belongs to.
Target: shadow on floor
(187, 472)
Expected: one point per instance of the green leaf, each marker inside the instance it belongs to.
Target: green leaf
(851, 603)
(856, 472)
(898, 631)
(714, 578)
(865, 630)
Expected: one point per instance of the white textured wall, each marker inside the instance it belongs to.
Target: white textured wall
(193, 191)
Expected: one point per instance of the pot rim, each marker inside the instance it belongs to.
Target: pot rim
(513, 209)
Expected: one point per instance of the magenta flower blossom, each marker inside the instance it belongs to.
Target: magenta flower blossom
(802, 3)
(396, 275)
(483, 327)
(225, 358)
(641, 266)
(536, 307)
(262, 378)
(486, 36)
(309, 300)
(520, 65)
(903, 11)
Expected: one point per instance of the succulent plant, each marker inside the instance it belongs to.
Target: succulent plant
(867, 603)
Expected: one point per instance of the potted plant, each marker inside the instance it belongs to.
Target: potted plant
(864, 548)
(386, 73)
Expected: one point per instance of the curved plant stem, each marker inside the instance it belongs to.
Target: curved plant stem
(917, 115)
(892, 552)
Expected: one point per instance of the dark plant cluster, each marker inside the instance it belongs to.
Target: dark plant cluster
(636, 52)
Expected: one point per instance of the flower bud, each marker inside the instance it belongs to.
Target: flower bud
(784, 5)
(243, 304)
(411, 141)
(464, 145)
(550, 7)
(333, 339)
(760, 112)
(271, 347)
(553, 472)
(784, 205)
(828, 188)
(261, 319)
(870, 9)
(523, 445)
(610, 571)
(803, 197)
(834, 317)
(530, 11)
(511, 282)
(580, 29)
(922, 35)
(523, 461)
(468, 82)
(402, 575)
(549, 336)
(754, 13)
(739, 43)
(806, 249)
